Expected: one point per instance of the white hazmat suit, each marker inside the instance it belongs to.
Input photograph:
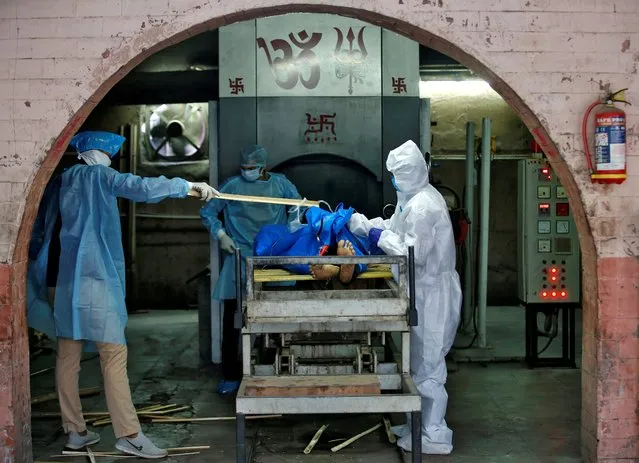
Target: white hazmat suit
(421, 220)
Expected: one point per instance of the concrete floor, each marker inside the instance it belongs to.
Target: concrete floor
(499, 412)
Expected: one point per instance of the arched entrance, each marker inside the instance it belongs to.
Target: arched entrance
(154, 34)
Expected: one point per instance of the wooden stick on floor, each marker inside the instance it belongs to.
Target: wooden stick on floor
(90, 455)
(387, 426)
(87, 391)
(212, 418)
(70, 454)
(189, 449)
(66, 454)
(315, 439)
(354, 438)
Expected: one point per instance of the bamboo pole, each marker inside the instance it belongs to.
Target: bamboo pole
(212, 418)
(88, 391)
(69, 454)
(189, 449)
(90, 455)
(354, 438)
(315, 439)
(387, 426)
(263, 199)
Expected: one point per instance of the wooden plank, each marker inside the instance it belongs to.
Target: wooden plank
(302, 386)
(85, 392)
(274, 275)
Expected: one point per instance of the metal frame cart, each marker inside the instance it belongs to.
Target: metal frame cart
(322, 322)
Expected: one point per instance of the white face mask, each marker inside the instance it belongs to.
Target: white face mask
(251, 175)
(93, 157)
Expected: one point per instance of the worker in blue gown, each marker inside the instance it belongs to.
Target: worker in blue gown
(242, 222)
(89, 305)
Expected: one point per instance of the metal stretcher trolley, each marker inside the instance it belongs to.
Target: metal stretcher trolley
(310, 350)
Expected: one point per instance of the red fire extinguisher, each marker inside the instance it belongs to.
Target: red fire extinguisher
(610, 140)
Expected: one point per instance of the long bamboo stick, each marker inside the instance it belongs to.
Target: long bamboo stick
(95, 416)
(54, 395)
(354, 438)
(212, 418)
(264, 199)
(189, 449)
(69, 454)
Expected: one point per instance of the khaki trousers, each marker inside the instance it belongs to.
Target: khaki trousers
(113, 358)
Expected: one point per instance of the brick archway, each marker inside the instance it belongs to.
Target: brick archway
(425, 24)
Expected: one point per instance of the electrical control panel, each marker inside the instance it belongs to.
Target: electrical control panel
(548, 259)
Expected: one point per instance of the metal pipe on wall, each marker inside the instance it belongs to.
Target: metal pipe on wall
(469, 201)
(424, 125)
(484, 215)
(132, 223)
(215, 316)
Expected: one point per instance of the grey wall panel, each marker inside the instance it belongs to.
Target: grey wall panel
(236, 129)
(347, 127)
(400, 122)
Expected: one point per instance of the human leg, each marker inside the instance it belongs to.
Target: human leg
(324, 272)
(113, 361)
(126, 426)
(346, 272)
(231, 363)
(67, 373)
(437, 437)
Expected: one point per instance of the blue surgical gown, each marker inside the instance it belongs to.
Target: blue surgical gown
(39, 312)
(89, 301)
(243, 220)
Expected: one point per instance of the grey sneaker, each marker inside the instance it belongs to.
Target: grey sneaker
(140, 446)
(76, 441)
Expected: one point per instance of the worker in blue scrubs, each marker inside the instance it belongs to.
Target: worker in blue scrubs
(242, 222)
(89, 308)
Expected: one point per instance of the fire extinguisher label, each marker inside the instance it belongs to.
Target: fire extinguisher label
(610, 143)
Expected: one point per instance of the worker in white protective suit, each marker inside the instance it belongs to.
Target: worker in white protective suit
(421, 220)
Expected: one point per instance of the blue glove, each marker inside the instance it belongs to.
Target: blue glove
(374, 235)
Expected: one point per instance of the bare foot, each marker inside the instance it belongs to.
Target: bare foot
(344, 249)
(324, 272)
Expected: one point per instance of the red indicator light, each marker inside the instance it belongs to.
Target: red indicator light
(553, 278)
(553, 270)
(544, 294)
(564, 294)
(554, 294)
(545, 173)
(544, 209)
(562, 209)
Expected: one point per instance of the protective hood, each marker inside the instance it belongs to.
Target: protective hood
(107, 142)
(408, 166)
(254, 155)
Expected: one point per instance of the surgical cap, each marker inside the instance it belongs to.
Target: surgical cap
(254, 155)
(108, 142)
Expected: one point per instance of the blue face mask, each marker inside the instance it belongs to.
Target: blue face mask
(251, 175)
(395, 184)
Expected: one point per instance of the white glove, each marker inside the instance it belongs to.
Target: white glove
(206, 191)
(226, 242)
